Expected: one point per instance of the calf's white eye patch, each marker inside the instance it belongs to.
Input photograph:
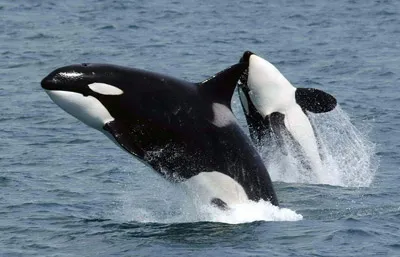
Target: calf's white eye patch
(105, 89)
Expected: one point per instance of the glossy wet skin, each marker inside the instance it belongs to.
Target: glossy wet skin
(179, 128)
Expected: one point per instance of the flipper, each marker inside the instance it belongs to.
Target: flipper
(222, 85)
(122, 136)
(315, 100)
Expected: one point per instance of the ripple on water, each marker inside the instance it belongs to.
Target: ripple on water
(343, 235)
(4, 181)
(39, 36)
(58, 191)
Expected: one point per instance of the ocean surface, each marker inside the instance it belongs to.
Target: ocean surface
(67, 190)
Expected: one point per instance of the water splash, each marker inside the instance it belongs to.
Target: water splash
(348, 157)
(249, 212)
(240, 213)
(178, 207)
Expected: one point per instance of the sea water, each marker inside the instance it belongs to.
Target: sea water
(66, 190)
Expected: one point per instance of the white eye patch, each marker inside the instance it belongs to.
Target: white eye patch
(105, 89)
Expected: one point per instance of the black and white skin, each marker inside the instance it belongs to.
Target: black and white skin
(273, 106)
(185, 131)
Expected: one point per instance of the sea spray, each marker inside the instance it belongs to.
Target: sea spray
(348, 157)
(249, 212)
(347, 152)
(176, 205)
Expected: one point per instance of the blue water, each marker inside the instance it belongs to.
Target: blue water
(66, 190)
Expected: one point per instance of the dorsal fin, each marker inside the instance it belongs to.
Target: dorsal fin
(221, 86)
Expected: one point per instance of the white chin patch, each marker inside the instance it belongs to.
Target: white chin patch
(209, 185)
(87, 109)
(105, 89)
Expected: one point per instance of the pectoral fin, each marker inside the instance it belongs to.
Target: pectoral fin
(315, 100)
(123, 138)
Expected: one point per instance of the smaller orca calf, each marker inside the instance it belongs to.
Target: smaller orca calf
(185, 131)
(273, 106)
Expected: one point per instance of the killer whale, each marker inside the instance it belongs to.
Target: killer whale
(185, 131)
(273, 106)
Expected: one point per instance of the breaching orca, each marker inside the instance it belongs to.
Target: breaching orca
(273, 106)
(184, 131)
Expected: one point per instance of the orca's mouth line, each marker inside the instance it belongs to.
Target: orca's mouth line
(243, 78)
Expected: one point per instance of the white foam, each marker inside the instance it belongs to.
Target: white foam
(172, 204)
(249, 212)
(240, 213)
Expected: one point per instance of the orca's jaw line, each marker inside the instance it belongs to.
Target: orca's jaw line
(87, 109)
